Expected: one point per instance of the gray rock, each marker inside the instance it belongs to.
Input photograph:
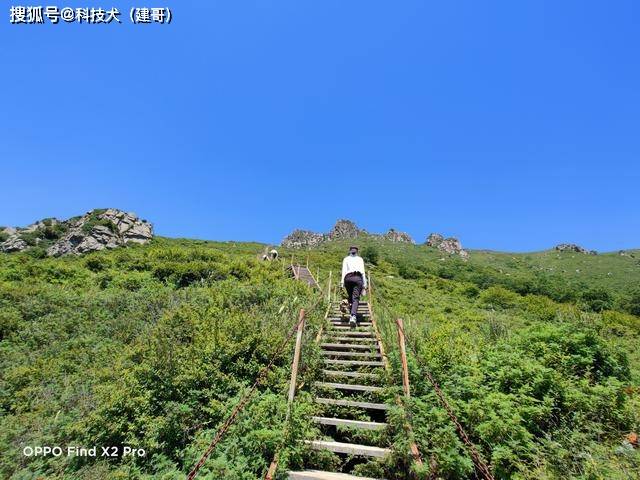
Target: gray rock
(396, 236)
(434, 240)
(13, 244)
(123, 228)
(342, 230)
(450, 245)
(572, 247)
(302, 239)
(345, 230)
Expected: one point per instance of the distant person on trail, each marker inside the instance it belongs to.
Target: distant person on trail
(354, 280)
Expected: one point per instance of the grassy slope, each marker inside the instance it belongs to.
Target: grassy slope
(546, 389)
(150, 346)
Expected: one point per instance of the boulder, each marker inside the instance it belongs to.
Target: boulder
(395, 236)
(13, 244)
(434, 240)
(450, 245)
(129, 226)
(572, 247)
(302, 239)
(344, 230)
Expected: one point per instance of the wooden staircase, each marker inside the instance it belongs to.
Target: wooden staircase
(303, 274)
(350, 393)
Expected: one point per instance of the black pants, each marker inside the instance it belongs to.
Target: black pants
(353, 284)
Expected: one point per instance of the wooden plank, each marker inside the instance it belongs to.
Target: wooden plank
(351, 403)
(338, 353)
(320, 475)
(354, 363)
(343, 422)
(354, 333)
(364, 340)
(355, 329)
(348, 386)
(340, 373)
(349, 448)
(345, 346)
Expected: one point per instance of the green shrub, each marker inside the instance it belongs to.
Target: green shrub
(408, 271)
(185, 274)
(370, 254)
(97, 263)
(499, 297)
(632, 303)
(542, 308)
(597, 299)
(94, 222)
(36, 252)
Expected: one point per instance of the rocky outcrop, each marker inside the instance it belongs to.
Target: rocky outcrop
(96, 230)
(13, 244)
(434, 240)
(342, 230)
(572, 247)
(395, 236)
(303, 239)
(345, 230)
(451, 245)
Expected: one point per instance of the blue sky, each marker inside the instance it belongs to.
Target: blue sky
(511, 125)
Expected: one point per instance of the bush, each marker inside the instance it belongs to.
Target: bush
(185, 274)
(408, 271)
(632, 304)
(597, 299)
(499, 297)
(36, 252)
(97, 263)
(370, 254)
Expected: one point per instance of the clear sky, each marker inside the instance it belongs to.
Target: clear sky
(511, 125)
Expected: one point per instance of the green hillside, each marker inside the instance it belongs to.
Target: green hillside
(151, 347)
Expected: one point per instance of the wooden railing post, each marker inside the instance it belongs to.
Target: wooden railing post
(329, 288)
(292, 388)
(296, 362)
(403, 358)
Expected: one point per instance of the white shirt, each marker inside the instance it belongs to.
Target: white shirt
(353, 264)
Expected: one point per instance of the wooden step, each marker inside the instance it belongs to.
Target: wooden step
(346, 323)
(354, 363)
(349, 448)
(343, 422)
(337, 353)
(346, 346)
(348, 386)
(339, 373)
(351, 403)
(364, 340)
(354, 333)
(321, 475)
(357, 328)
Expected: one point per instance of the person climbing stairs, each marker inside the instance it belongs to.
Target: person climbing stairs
(353, 417)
